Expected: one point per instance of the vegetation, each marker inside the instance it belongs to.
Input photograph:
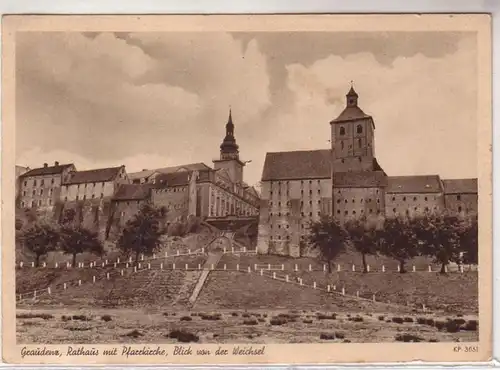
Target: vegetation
(142, 233)
(39, 239)
(364, 234)
(78, 239)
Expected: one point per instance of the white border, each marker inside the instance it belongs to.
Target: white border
(303, 6)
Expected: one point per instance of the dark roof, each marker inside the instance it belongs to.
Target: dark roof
(414, 184)
(297, 165)
(360, 179)
(98, 175)
(460, 186)
(49, 170)
(133, 192)
(351, 114)
(190, 167)
(173, 179)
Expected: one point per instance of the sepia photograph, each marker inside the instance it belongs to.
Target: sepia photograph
(247, 186)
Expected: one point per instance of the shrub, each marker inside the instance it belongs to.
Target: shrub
(78, 328)
(265, 315)
(397, 320)
(81, 318)
(357, 319)
(261, 319)
(210, 316)
(326, 336)
(250, 322)
(421, 320)
(346, 341)
(307, 321)
(134, 334)
(459, 321)
(430, 322)
(234, 314)
(432, 340)
(408, 338)
(439, 325)
(106, 318)
(65, 318)
(408, 319)
(339, 335)
(165, 314)
(278, 321)
(326, 317)
(381, 318)
(471, 325)
(452, 326)
(388, 320)
(184, 336)
(186, 318)
(245, 315)
(44, 316)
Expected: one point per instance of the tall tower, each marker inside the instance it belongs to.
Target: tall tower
(352, 138)
(229, 154)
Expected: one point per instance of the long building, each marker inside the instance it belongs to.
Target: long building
(345, 181)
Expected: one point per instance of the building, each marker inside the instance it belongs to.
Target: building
(93, 184)
(193, 189)
(40, 187)
(345, 181)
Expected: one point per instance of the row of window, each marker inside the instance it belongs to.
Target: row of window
(42, 182)
(369, 200)
(415, 198)
(40, 192)
(35, 203)
(359, 130)
(94, 184)
(301, 192)
(301, 182)
(342, 146)
(362, 211)
(85, 197)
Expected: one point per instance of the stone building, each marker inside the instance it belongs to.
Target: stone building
(195, 189)
(40, 187)
(345, 181)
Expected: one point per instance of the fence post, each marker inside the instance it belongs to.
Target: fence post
(114, 265)
(353, 268)
(296, 267)
(34, 294)
(343, 291)
(261, 272)
(68, 265)
(232, 249)
(414, 268)
(334, 287)
(237, 267)
(135, 268)
(310, 267)
(79, 282)
(154, 256)
(224, 250)
(139, 265)
(461, 269)
(446, 269)
(328, 288)
(338, 267)
(423, 307)
(286, 278)
(324, 268)
(173, 266)
(57, 265)
(368, 268)
(186, 267)
(301, 283)
(121, 272)
(374, 298)
(161, 266)
(105, 262)
(48, 290)
(64, 286)
(107, 275)
(149, 266)
(126, 265)
(399, 268)
(255, 267)
(269, 266)
(212, 266)
(166, 254)
(202, 249)
(32, 264)
(430, 268)
(142, 257)
(314, 285)
(249, 269)
(244, 249)
(199, 266)
(130, 259)
(178, 252)
(383, 268)
(118, 260)
(93, 279)
(274, 275)
(357, 293)
(225, 267)
(44, 264)
(282, 267)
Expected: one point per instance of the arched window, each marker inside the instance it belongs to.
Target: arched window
(359, 129)
(342, 132)
(359, 143)
(342, 145)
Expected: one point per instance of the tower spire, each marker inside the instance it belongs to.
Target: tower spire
(229, 148)
(352, 97)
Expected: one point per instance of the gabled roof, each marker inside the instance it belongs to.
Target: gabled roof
(295, 165)
(133, 192)
(97, 175)
(360, 179)
(353, 113)
(173, 179)
(414, 184)
(49, 170)
(186, 167)
(460, 186)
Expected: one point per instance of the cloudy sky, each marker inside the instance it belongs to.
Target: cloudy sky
(151, 100)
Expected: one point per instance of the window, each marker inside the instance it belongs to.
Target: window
(40, 203)
(394, 210)
(359, 129)
(319, 201)
(22, 204)
(279, 226)
(102, 195)
(404, 198)
(426, 209)
(271, 204)
(459, 197)
(279, 204)
(353, 200)
(459, 209)
(24, 193)
(33, 204)
(42, 182)
(415, 208)
(77, 197)
(34, 182)
(371, 210)
(302, 214)
(338, 200)
(50, 202)
(34, 192)
(41, 191)
(346, 200)
(65, 199)
(319, 191)
(103, 184)
(310, 202)
(414, 199)
(310, 214)
(93, 196)
(338, 211)
(342, 131)
(425, 199)
(353, 212)
(279, 214)
(52, 181)
(359, 143)
(345, 212)
(310, 192)
(342, 145)
(25, 183)
(287, 226)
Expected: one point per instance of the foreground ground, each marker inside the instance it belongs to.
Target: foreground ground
(56, 325)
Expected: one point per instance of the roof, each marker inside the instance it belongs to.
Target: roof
(173, 179)
(98, 175)
(460, 186)
(190, 167)
(133, 192)
(352, 113)
(294, 165)
(360, 179)
(49, 170)
(414, 184)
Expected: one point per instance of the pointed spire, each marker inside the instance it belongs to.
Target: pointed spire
(229, 148)
(230, 119)
(352, 97)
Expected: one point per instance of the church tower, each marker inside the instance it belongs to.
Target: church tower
(229, 154)
(352, 138)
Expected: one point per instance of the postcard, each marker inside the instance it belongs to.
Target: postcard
(246, 189)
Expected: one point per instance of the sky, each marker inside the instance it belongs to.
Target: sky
(150, 100)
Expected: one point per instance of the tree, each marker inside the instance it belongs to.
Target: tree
(329, 237)
(398, 239)
(469, 241)
(76, 239)
(440, 237)
(40, 238)
(141, 234)
(364, 234)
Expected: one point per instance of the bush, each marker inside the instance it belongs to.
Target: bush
(165, 314)
(134, 334)
(430, 322)
(452, 326)
(307, 321)
(44, 316)
(81, 318)
(250, 322)
(325, 336)
(339, 335)
(471, 325)
(459, 321)
(65, 318)
(397, 320)
(235, 314)
(326, 317)
(439, 325)
(408, 338)
(357, 319)
(421, 320)
(433, 340)
(106, 318)
(381, 318)
(183, 336)
(261, 319)
(186, 318)
(245, 315)
(346, 341)
(210, 316)
(408, 319)
(278, 321)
